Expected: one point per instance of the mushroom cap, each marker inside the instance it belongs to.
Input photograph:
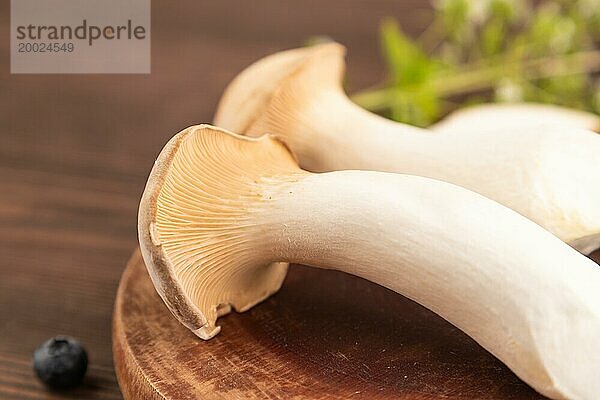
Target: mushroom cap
(200, 223)
(250, 92)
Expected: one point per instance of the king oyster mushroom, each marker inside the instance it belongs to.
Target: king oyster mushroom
(222, 214)
(549, 173)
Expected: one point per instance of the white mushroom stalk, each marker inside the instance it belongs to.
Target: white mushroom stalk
(549, 173)
(501, 117)
(221, 212)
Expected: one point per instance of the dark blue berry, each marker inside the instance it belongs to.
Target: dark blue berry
(60, 362)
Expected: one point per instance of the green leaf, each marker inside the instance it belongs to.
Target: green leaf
(454, 16)
(418, 108)
(492, 37)
(407, 63)
(506, 10)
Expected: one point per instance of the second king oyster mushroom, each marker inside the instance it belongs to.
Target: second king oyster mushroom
(547, 171)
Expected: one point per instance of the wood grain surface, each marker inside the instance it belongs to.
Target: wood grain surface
(324, 335)
(75, 151)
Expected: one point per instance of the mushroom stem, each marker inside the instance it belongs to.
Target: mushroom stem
(498, 117)
(354, 141)
(546, 172)
(516, 289)
(220, 209)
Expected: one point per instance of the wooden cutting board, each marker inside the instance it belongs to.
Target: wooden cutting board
(324, 335)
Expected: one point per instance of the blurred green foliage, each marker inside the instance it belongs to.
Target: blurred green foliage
(490, 50)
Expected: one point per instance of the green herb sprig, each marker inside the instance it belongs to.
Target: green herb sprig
(490, 51)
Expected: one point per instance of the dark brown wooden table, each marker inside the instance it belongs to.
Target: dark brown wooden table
(75, 151)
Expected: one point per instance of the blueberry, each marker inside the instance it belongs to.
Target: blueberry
(60, 362)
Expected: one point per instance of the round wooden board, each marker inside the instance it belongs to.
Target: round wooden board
(324, 335)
